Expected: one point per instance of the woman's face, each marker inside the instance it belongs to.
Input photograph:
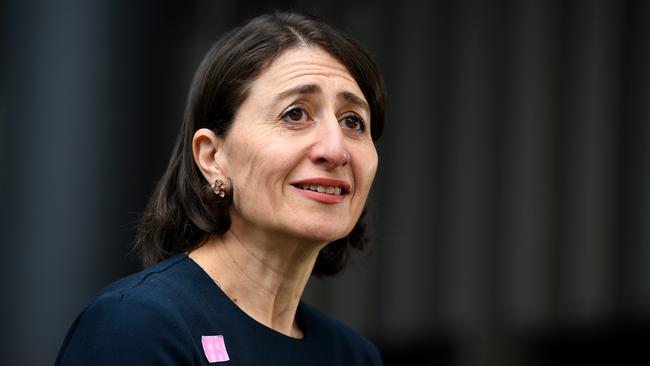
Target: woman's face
(299, 152)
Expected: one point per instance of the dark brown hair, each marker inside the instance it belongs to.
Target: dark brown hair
(182, 212)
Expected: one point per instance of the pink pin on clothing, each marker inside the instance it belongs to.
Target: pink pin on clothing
(214, 348)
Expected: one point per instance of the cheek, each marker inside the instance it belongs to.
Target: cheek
(366, 168)
(244, 152)
(259, 168)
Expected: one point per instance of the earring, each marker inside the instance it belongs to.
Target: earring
(219, 188)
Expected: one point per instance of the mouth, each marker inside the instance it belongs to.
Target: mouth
(333, 190)
(325, 190)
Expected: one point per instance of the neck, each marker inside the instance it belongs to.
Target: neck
(265, 278)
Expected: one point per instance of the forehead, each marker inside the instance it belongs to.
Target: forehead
(305, 64)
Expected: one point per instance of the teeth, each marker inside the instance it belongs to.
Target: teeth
(322, 189)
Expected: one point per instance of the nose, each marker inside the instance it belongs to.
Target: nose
(330, 148)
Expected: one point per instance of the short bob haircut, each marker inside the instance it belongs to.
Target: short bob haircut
(182, 212)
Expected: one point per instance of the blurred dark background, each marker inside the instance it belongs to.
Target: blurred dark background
(511, 211)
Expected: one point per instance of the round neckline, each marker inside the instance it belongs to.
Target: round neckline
(217, 290)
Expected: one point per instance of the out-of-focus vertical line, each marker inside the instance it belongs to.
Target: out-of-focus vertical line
(409, 174)
(526, 200)
(471, 181)
(587, 262)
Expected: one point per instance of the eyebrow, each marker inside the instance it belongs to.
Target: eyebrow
(355, 100)
(300, 89)
(315, 89)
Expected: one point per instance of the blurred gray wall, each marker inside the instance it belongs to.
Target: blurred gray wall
(511, 211)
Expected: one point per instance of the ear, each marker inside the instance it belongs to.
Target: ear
(208, 154)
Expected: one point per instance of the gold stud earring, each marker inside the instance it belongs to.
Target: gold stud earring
(219, 188)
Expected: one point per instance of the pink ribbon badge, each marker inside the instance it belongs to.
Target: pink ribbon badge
(214, 348)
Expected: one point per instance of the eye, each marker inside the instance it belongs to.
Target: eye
(353, 122)
(295, 115)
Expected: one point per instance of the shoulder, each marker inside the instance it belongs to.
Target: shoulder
(151, 282)
(128, 322)
(340, 336)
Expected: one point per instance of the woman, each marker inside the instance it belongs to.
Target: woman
(266, 187)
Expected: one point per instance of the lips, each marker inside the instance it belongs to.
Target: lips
(325, 190)
(322, 189)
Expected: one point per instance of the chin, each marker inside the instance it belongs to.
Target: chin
(324, 234)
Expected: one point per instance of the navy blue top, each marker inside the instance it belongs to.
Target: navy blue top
(174, 314)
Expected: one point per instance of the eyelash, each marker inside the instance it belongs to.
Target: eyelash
(357, 119)
(285, 115)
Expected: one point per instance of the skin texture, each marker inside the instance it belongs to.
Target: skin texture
(305, 118)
